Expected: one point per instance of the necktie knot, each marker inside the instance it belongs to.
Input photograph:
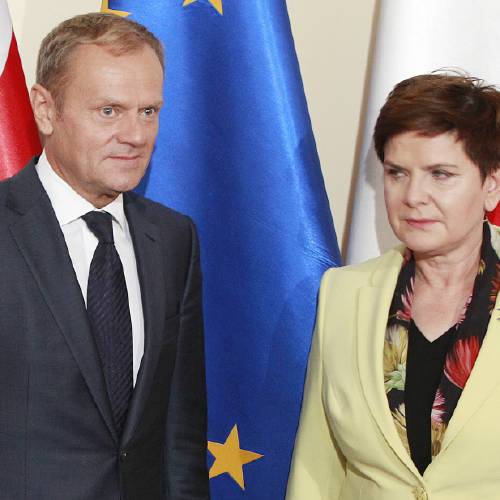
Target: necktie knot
(100, 223)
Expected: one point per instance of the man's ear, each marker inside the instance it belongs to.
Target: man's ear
(492, 186)
(44, 109)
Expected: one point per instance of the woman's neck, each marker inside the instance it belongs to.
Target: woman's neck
(442, 287)
(454, 270)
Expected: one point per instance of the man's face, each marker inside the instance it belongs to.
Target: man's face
(101, 140)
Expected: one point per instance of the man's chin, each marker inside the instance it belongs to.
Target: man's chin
(110, 192)
(121, 181)
(121, 188)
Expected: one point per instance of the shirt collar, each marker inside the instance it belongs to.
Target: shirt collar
(68, 205)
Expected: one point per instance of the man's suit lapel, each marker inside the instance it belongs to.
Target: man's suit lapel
(374, 303)
(41, 243)
(151, 276)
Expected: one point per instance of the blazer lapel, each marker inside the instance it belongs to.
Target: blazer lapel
(483, 380)
(148, 256)
(41, 243)
(374, 304)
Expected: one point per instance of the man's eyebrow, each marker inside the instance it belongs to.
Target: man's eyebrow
(156, 104)
(112, 101)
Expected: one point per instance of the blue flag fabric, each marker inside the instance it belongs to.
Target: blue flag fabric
(236, 152)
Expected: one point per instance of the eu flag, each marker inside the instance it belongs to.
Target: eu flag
(236, 152)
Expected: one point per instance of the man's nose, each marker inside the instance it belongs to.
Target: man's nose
(132, 130)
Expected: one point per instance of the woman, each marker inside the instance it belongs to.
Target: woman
(402, 398)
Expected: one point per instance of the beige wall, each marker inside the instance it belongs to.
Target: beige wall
(332, 39)
(33, 19)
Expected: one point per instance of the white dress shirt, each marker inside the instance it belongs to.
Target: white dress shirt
(69, 207)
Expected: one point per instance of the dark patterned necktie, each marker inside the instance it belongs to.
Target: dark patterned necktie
(109, 315)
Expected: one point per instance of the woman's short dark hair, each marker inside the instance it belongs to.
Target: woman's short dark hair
(436, 103)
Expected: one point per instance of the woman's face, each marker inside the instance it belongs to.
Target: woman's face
(434, 194)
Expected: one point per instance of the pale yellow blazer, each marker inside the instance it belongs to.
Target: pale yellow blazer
(347, 446)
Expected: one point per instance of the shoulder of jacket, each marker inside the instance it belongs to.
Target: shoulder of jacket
(365, 273)
(4, 189)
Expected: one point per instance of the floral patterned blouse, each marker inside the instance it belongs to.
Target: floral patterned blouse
(461, 350)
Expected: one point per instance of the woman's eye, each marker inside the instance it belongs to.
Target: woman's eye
(441, 174)
(395, 173)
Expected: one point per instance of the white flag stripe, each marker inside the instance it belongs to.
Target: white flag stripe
(5, 33)
(414, 37)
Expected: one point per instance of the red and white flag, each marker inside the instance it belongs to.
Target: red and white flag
(414, 37)
(18, 134)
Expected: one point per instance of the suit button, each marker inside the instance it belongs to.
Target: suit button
(420, 494)
(123, 456)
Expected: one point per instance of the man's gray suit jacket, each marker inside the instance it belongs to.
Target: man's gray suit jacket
(57, 437)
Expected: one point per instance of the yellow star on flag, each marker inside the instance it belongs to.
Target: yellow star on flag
(230, 458)
(216, 4)
(105, 8)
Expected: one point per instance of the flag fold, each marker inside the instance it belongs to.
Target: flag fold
(236, 152)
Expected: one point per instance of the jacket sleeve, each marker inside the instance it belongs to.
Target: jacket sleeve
(185, 454)
(318, 466)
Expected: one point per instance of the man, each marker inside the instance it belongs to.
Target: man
(101, 338)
